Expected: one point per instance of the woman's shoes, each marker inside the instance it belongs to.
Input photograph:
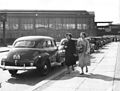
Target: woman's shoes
(81, 73)
(86, 70)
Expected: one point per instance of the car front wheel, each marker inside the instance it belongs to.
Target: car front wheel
(13, 72)
(45, 69)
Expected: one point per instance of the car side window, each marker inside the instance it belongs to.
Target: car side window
(53, 43)
(49, 43)
(44, 44)
(40, 44)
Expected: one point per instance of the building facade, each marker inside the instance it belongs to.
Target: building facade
(47, 23)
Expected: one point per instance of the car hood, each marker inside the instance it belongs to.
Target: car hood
(24, 53)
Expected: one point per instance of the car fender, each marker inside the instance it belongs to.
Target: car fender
(41, 59)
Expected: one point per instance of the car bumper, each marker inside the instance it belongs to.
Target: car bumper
(17, 68)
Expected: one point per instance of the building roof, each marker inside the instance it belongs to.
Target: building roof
(79, 12)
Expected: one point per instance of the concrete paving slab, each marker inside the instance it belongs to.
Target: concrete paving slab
(102, 77)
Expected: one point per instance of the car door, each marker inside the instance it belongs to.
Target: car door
(51, 48)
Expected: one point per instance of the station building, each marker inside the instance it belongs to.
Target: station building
(115, 29)
(54, 23)
(107, 28)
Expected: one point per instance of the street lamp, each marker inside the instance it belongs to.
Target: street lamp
(3, 19)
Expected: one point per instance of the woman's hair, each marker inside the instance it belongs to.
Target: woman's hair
(83, 33)
(68, 34)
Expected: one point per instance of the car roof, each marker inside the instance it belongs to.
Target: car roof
(33, 38)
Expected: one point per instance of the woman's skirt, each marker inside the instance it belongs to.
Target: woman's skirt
(84, 60)
(70, 59)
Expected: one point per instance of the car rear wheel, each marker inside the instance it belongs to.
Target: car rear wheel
(45, 69)
(13, 72)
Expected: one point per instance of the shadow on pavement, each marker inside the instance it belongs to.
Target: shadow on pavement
(100, 76)
(31, 77)
(90, 76)
(104, 48)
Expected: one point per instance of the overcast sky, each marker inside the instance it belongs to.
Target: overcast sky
(105, 10)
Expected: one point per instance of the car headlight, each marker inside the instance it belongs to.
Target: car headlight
(31, 64)
(16, 56)
(3, 60)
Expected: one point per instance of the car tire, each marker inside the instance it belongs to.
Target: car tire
(63, 64)
(45, 69)
(13, 72)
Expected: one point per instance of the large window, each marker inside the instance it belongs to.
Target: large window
(85, 26)
(82, 24)
(41, 23)
(52, 23)
(79, 26)
(1, 26)
(68, 23)
(12, 24)
(55, 23)
(62, 23)
(27, 24)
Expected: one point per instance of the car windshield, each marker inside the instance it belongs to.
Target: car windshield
(25, 43)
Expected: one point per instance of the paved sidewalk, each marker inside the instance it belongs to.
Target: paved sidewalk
(99, 78)
(116, 84)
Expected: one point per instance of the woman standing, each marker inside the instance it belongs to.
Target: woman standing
(70, 51)
(83, 52)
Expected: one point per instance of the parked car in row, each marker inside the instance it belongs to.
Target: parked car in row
(42, 53)
(32, 52)
(98, 41)
(92, 45)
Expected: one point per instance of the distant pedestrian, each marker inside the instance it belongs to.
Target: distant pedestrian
(70, 52)
(83, 49)
(0, 85)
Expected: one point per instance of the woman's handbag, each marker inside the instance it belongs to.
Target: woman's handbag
(75, 57)
(80, 49)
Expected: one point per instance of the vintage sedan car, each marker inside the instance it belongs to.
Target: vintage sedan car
(31, 52)
(96, 41)
(92, 45)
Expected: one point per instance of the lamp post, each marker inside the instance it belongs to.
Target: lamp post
(3, 19)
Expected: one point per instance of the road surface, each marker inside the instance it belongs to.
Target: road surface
(24, 79)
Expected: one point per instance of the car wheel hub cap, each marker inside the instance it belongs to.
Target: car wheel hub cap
(45, 67)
